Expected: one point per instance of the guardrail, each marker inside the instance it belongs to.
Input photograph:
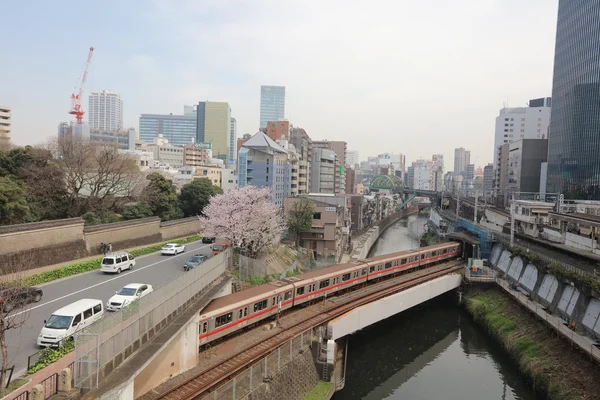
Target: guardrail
(115, 337)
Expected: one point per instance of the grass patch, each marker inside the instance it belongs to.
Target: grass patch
(14, 385)
(535, 361)
(90, 265)
(319, 391)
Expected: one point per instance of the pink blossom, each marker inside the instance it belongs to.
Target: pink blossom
(246, 217)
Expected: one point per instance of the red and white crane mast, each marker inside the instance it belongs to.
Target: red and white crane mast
(76, 98)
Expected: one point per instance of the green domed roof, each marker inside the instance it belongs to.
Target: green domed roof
(386, 182)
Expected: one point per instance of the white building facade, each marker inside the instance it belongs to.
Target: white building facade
(105, 111)
(5, 125)
(518, 123)
(351, 158)
(232, 148)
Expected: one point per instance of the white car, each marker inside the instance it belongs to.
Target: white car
(172, 249)
(128, 295)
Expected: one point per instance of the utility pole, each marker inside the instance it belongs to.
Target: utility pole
(457, 204)
(476, 196)
(512, 221)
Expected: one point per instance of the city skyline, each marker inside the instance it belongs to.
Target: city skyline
(330, 102)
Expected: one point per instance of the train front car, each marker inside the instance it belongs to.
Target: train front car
(440, 252)
(317, 284)
(233, 312)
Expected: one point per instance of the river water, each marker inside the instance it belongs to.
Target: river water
(430, 352)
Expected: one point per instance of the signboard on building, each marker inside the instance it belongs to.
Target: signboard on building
(342, 169)
(327, 209)
(202, 145)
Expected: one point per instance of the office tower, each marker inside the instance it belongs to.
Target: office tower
(525, 158)
(214, 126)
(322, 175)
(340, 149)
(462, 158)
(488, 178)
(262, 162)
(232, 158)
(272, 104)
(574, 142)
(105, 111)
(179, 130)
(532, 122)
(351, 158)
(5, 126)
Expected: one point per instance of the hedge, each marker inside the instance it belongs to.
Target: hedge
(90, 265)
(50, 355)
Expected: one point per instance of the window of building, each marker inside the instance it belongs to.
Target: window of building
(506, 130)
(317, 215)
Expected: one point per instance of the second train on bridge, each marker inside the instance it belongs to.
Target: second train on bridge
(228, 314)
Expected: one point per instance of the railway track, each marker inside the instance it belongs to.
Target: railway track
(213, 375)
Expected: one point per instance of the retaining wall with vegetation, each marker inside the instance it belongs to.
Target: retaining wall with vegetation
(27, 246)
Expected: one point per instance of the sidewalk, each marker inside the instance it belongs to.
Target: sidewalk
(33, 271)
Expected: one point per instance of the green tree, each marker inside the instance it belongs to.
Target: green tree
(196, 195)
(137, 211)
(13, 205)
(12, 161)
(161, 197)
(300, 217)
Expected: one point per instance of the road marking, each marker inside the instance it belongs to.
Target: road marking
(112, 279)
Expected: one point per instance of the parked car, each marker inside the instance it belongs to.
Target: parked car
(63, 323)
(193, 262)
(207, 239)
(172, 249)
(127, 295)
(117, 262)
(18, 296)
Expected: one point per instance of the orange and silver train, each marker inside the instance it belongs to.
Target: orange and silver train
(228, 314)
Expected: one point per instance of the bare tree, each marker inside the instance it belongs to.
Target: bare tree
(97, 176)
(14, 310)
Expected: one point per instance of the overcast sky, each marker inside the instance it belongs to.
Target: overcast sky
(411, 77)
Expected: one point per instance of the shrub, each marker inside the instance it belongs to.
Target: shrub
(49, 355)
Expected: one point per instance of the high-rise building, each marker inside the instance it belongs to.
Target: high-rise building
(123, 140)
(262, 162)
(303, 145)
(232, 142)
(488, 178)
(272, 104)
(352, 158)
(179, 130)
(532, 122)
(525, 158)
(462, 158)
(214, 126)
(105, 111)
(322, 174)
(340, 149)
(573, 142)
(5, 126)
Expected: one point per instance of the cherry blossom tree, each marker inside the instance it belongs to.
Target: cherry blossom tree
(246, 217)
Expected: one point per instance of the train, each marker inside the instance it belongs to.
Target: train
(228, 314)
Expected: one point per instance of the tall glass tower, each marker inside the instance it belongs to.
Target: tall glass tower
(574, 139)
(272, 104)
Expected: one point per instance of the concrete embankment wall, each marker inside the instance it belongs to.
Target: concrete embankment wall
(369, 238)
(38, 244)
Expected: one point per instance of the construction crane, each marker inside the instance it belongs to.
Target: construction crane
(76, 98)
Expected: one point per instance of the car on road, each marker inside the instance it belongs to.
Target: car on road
(127, 295)
(18, 296)
(116, 262)
(63, 323)
(219, 247)
(172, 249)
(207, 239)
(194, 261)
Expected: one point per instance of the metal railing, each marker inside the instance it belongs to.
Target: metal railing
(22, 396)
(123, 332)
(50, 385)
(263, 370)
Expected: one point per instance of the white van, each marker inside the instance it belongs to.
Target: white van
(117, 262)
(63, 323)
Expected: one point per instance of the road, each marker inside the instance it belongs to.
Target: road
(153, 269)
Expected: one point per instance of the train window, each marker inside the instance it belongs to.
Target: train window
(388, 265)
(300, 291)
(403, 261)
(204, 327)
(240, 316)
(223, 319)
(314, 285)
(261, 305)
(245, 311)
(288, 295)
(324, 284)
(274, 301)
(445, 251)
(364, 271)
(371, 269)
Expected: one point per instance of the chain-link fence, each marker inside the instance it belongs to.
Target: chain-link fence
(116, 336)
(263, 370)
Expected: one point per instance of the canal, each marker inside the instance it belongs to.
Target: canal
(434, 351)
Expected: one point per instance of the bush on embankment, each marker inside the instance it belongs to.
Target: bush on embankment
(551, 364)
(93, 264)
